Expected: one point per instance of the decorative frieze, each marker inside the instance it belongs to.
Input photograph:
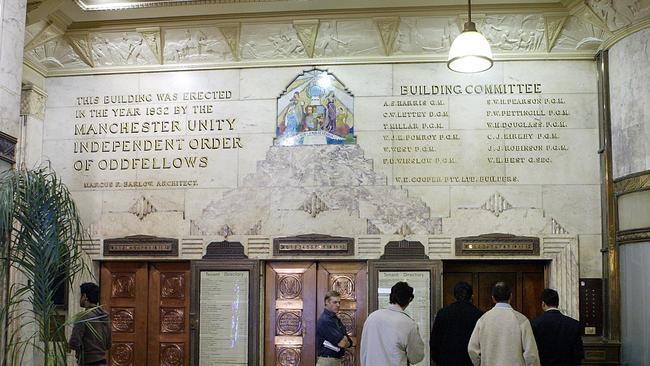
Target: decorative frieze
(399, 35)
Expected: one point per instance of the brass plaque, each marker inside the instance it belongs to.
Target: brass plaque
(497, 244)
(141, 245)
(313, 244)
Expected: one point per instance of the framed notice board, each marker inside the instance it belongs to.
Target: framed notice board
(224, 312)
(423, 276)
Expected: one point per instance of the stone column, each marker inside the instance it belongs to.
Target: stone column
(12, 36)
(629, 81)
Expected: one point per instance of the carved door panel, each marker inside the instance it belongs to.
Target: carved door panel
(124, 295)
(149, 308)
(350, 280)
(294, 300)
(290, 311)
(169, 302)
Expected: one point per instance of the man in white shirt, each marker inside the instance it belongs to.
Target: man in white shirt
(503, 336)
(390, 336)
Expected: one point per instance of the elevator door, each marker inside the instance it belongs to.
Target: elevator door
(294, 299)
(149, 308)
(525, 278)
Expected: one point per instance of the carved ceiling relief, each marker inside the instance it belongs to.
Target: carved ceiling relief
(40, 34)
(307, 31)
(231, 33)
(620, 13)
(344, 38)
(579, 35)
(388, 31)
(196, 45)
(152, 37)
(118, 49)
(270, 41)
(49, 47)
(426, 35)
(81, 45)
(524, 33)
(55, 54)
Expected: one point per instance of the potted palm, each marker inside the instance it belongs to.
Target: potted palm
(40, 237)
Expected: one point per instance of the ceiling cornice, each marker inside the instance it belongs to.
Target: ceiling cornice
(542, 31)
(442, 11)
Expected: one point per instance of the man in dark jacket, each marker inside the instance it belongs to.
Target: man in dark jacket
(91, 334)
(559, 337)
(331, 335)
(453, 327)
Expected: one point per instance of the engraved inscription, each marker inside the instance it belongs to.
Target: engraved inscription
(172, 285)
(172, 320)
(289, 322)
(122, 320)
(171, 354)
(123, 285)
(344, 284)
(288, 356)
(289, 286)
(348, 319)
(122, 354)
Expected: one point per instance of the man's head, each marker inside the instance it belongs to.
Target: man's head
(401, 294)
(463, 291)
(333, 301)
(550, 299)
(89, 294)
(501, 292)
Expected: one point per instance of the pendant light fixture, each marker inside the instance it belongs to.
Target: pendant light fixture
(470, 51)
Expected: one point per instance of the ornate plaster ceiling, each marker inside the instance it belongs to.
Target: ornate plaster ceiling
(70, 41)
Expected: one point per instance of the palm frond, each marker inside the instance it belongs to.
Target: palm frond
(40, 237)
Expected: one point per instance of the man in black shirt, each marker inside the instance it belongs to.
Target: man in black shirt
(331, 335)
(453, 327)
(91, 334)
(559, 337)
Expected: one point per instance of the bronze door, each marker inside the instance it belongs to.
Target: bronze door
(149, 307)
(294, 300)
(525, 278)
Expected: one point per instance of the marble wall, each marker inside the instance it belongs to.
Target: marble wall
(12, 31)
(629, 80)
(439, 155)
(629, 87)
(635, 302)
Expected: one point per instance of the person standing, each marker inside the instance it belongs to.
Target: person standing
(453, 327)
(503, 336)
(331, 335)
(91, 334)
(558, 336)
(391, 337)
